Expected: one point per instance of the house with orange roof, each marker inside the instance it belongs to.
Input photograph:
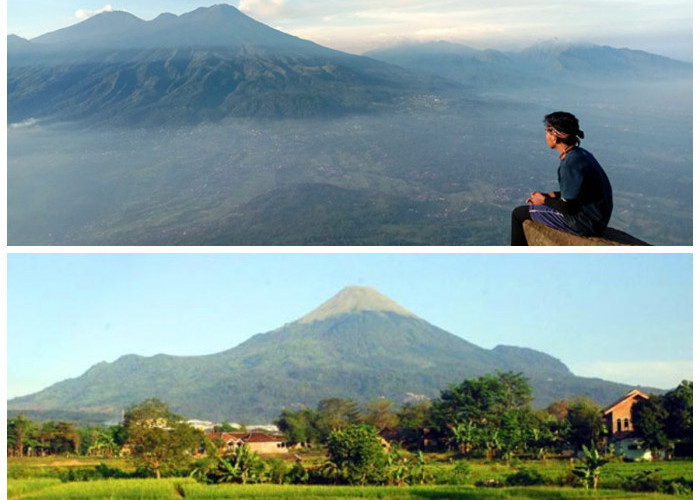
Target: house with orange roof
(618, 419)
(259, 442)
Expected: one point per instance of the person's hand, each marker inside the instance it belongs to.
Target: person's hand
(536, 198)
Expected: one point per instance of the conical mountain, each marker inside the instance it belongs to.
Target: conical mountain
(359, 345)
(355, 299)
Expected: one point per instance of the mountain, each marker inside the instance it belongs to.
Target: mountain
(359, 345)
(18, 44)
(544, 63)
(206, 65)
(221, 26)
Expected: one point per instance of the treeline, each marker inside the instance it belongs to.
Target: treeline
(491, 417)
(487, 417)
(28, 438)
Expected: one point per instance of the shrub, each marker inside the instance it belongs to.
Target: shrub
(526, 477)
(459, 474)
(358, 455)
(101, 471)
(651, 481)
(297, 474)
(276, 471)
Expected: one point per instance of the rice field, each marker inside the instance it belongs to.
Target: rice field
(41, 479)
(169, 489)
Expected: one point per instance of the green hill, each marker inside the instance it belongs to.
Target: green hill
(358, 345)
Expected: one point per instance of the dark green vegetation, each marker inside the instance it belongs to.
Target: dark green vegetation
(348, 451)
(665, 419)
(358, 354)
(248, 136)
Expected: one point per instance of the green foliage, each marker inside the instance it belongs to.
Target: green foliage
(276, 471)
(357, 454)
(584, 423)
(458, 474)
(649, 417)
(526, 477)
(380, 414)
(335, 414)
(489, 413)
(665, 419)
(297, 474)
(589, 471)
(652, 481)
(158, 440)
(22, 434)
(413, 419)
(242, 466)
(679, 405)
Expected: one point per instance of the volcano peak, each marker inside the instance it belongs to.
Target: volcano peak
(355, 299)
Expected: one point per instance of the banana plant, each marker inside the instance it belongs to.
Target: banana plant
(589, 470)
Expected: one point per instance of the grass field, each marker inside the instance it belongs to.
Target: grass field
(41, 479)
(168, 489)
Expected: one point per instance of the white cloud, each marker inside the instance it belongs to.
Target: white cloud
(505, 24)
(262, 9)
(660, 374)
(26, 123)
(85, 14)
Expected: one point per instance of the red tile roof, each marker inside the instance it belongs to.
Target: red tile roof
(632, 394)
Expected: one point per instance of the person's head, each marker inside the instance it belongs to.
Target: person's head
(562, 127)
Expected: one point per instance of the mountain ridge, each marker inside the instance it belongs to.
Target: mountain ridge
(203, 66)
(542, 62)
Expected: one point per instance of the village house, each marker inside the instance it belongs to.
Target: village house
(259, 442)
(618, 419)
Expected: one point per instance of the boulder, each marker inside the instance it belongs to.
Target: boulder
(541, 235)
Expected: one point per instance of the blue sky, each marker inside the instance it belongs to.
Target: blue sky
(623, 317)
(660, 26)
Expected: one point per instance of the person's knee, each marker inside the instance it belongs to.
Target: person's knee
(521, 213)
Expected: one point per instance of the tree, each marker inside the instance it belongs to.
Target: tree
(335, 414)
(159, 440)
(490, 413)
(679, 405)
(357, 454)
(413, 421)
(649, 418)
(380, 414)
(98, 441)
(225, 427)
(299, 426)
(663, 421)
(21, 434)
(585, 423)
(57, 438)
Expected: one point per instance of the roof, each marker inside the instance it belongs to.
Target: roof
(248, 437)
(634, 393)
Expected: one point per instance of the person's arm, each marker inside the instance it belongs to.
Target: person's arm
(538, 198)
(566, 207)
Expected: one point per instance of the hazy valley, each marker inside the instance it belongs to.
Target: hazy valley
(350, 151)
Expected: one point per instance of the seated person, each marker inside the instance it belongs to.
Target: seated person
(584, 203)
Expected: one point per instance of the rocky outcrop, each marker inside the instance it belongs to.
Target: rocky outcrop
(540, 235)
